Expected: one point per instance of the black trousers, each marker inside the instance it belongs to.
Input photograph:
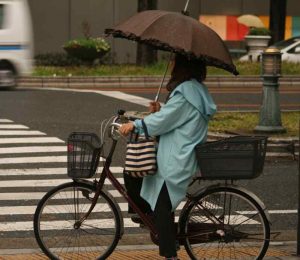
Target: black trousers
(163, 215)
(164, 221)
(133, 187)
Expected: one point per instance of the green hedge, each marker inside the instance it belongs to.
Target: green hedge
(259, 31)
(57, 60)
(87, 49)
(245, 68)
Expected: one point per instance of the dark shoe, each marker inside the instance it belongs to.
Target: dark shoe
(136, 219)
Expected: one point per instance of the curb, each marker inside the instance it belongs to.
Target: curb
(146, 81)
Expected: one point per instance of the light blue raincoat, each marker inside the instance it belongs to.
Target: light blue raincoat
(181, 124)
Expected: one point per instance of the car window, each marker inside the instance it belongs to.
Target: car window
(1, 15)
(282, 44)
(292, 50)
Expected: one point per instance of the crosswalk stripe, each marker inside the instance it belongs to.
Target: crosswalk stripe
(41, 159)
(48, 171)
(104, 223)
(59, 225)
(32, 149)
(5, 121)
(13, 126)
(20, 132)
(60, 209)
(29, 140)
(35, 171)
(41, 183)
(37, 195)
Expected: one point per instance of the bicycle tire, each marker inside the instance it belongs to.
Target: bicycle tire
(215, 226)
(55, 217)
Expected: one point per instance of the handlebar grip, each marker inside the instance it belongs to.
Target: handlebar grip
(116, 124)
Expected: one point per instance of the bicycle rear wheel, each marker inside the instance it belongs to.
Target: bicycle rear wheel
(225, 223)
(57, 213)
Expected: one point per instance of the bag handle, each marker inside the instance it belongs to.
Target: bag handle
(145, 129)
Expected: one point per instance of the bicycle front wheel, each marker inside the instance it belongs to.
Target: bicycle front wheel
(58, 235)
(225, 223)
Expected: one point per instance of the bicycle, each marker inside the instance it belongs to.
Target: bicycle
(217, 221)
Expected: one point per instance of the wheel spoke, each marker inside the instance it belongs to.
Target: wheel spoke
(57, 213)
(234, 235)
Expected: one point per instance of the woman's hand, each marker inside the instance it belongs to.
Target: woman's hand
(154, 106)
(125, 129)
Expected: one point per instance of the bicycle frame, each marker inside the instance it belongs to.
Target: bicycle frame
(106, 173)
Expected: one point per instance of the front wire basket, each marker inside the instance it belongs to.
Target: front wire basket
(238, 157)
(84, 151)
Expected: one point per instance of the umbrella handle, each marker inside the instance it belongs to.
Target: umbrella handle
(163, 79)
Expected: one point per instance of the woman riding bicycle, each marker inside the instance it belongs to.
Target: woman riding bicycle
(181, 124)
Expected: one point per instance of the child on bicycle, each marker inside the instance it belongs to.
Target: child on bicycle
(181, 124)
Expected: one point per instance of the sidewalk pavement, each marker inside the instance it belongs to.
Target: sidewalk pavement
(278, 251)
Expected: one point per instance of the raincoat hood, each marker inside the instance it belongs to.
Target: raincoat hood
(197, 94)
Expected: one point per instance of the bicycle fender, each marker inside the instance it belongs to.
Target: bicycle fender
(242, 189)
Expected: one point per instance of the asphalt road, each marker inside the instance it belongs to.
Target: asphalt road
(57, 113)
(235, 98)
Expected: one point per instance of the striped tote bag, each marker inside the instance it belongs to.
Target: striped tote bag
(140, 160)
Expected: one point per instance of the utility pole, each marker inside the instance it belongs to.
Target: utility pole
(277, 19)
(69, 19)
(146, 54)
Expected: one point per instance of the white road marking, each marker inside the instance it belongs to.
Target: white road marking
(32, 149)
(114, 94)
(13, 126)
(282, 211)
(30, 140)
(35, 171)
(61, 209)
(41, 159)
(20, 132)
(38, 195)
(61, 225)
(5, 120)
(48, 171)
(41, 183)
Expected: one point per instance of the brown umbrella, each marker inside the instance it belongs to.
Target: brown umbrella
(177, 33)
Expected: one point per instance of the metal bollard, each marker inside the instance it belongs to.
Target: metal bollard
(270, 115)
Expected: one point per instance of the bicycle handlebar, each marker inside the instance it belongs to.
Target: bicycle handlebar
(116, 124)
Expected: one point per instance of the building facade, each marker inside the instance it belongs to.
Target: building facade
(57, 21)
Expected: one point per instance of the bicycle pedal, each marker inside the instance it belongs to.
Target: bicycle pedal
(142, 225)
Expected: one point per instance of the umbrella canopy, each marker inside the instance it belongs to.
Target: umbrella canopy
(250, 21)
(177, 33)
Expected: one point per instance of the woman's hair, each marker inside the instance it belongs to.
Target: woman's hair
(185, 69)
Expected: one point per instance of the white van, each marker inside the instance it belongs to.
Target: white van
(16, 42)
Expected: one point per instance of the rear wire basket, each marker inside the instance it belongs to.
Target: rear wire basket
(238, 157)
(83, 154)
